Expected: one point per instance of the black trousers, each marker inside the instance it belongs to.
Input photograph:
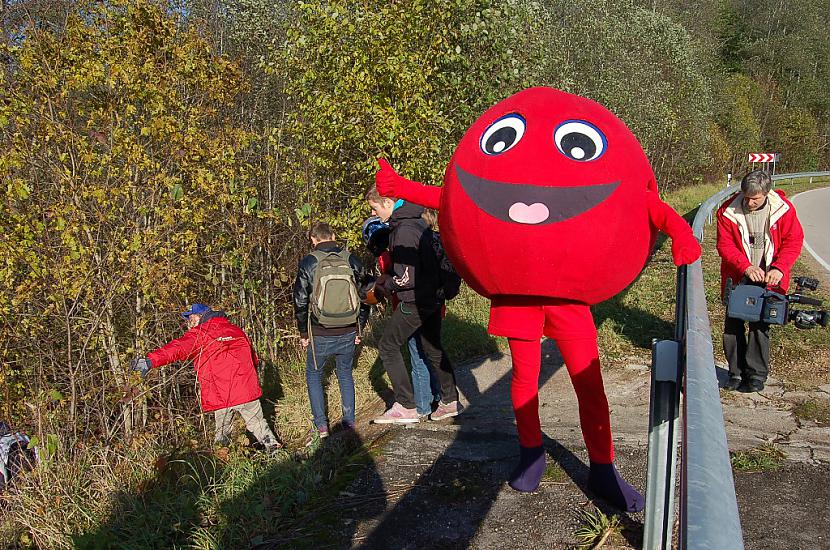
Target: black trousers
(406, 319)
(748, 358)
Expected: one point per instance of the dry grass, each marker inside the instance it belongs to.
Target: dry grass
(597, 529)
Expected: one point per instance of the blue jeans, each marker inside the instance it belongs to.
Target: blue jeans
(342, 348)
(425, 385)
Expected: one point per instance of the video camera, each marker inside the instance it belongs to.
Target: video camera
(756, 303)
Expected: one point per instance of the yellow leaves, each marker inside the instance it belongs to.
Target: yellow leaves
(19, 189)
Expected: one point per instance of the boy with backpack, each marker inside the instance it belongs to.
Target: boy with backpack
(330, 318)
(421, 283)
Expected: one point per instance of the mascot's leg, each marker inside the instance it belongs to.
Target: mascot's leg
(524, 391)
(582, 360)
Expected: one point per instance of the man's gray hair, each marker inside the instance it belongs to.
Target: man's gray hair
(755, 182)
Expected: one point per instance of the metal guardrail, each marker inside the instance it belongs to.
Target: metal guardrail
(708, 507)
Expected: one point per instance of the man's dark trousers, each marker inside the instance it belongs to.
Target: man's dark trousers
(406, 319)
(748, 358)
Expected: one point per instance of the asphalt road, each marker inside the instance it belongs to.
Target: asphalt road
(813, 208)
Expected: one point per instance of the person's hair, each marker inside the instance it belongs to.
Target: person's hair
(321, 231)
(431, 217)
(757, 181)
(373, 196)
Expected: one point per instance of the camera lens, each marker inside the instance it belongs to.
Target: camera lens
(807, 319)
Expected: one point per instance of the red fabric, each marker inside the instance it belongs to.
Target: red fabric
(573, 328)
(546, 215)
(390, 184)
(786, 234)
(224, 361)
(529, 318)
(684, 246)
(588, 256)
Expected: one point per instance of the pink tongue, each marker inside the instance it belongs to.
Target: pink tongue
(523, 213)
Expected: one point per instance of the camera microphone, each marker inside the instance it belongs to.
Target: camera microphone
(799, 299)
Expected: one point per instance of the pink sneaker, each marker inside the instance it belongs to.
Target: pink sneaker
(397, 414)
(446, 410)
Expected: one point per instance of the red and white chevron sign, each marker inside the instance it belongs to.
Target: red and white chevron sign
(763, 157)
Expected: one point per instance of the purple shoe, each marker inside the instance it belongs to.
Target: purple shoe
(605, 481)
(528, 474)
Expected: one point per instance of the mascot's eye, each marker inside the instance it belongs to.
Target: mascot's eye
(503, 134)
(579, 140)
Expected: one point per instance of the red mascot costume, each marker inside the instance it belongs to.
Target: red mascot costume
(549, 205)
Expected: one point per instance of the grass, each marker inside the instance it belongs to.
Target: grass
(170, 490)
(596, 529)
(150, 497)
(811, 409)
(554, 473)
(762, 459)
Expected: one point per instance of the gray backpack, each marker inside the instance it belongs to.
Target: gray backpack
(334, 298)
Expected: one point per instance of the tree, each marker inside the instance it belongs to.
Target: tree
(127, 186)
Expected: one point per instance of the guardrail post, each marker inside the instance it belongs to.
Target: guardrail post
(662, 444)
(664, 413)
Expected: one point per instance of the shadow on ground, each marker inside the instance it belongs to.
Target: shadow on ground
(442, 502)
(236, 499)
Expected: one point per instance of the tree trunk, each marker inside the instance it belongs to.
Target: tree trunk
(111, 349)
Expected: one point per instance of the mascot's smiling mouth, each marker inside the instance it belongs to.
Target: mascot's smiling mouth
(532, 204)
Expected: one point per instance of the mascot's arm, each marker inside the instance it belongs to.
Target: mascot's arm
(390, 184)
(684, 247)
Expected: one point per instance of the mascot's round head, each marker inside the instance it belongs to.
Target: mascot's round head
(545, 196)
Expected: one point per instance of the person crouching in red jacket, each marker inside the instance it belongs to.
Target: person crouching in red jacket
(225, 364)
(759, 240)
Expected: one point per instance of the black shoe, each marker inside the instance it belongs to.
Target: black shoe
(733, 383)
(751, 387)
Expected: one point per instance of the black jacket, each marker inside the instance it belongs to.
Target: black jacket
(415, 277)
(303, 289)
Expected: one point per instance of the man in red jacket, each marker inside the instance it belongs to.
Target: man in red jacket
(225, 367)
(759, 240)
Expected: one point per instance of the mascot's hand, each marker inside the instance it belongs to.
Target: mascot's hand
(685, 249)
(387, 181)
(390, 184)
